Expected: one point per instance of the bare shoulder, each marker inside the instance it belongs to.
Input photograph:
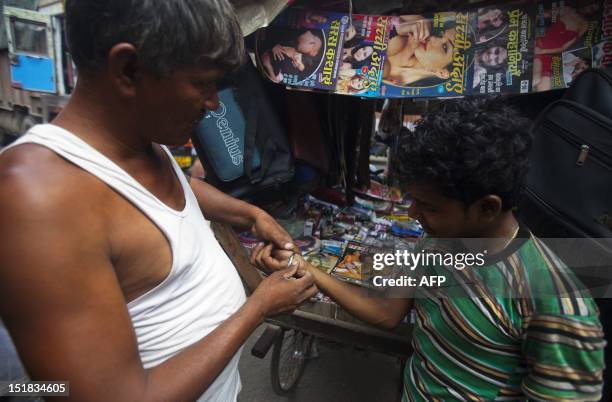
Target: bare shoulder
(37, 180)
(46, 202)
(57, 281)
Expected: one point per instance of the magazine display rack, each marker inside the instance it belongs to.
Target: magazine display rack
(515, 47)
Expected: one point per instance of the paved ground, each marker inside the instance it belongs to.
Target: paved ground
(339, 374)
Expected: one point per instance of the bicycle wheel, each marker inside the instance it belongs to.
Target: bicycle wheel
(288, 360)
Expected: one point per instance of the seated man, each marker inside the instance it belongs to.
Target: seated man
(465, 168)
(110, 275)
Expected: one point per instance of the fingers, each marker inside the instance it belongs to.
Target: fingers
(289, 272)
(282, 255)
(261, 257)
(301, 271)
(269, 261)
(255, 253)
(306, 281)
(309, 293)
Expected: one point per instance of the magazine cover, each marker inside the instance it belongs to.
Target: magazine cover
(503, 53)
(302, 49)
(324, 261)
(571, 36)
(356, 264)
(350, 267)
(364, 50)
(430, 56)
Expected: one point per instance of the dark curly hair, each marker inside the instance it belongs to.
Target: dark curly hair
(469, 148)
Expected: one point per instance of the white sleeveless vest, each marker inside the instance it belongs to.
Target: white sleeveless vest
(203, 288)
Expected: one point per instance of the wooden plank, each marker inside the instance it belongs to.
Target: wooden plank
(346, 333)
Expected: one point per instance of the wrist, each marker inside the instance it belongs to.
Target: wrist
(254, 213)
(256, 307)
(308, 267)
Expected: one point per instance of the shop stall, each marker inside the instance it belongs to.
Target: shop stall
(310, 128)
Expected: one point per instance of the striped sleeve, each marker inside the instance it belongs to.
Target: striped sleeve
(565, 358)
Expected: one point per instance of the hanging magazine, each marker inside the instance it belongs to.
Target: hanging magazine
(364, 50)
(503, 53)
(571, 36)
(430, 56)
(520, 46)
(302, 49)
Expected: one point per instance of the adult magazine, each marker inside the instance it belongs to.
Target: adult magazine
(430, 55)
(514, 47)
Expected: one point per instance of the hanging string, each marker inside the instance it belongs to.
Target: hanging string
(351, 13)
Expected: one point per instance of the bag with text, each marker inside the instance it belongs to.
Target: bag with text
(242, 145)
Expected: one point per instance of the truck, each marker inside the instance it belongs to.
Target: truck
(36, 72)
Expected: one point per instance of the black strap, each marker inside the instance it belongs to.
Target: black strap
(251, 100)
(268, 148)
(250, 134)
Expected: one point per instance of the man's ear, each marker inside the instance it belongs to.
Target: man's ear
(123, 68)
(442, 73)
(488, 208)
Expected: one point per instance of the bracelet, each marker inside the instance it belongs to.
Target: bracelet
(290, 261)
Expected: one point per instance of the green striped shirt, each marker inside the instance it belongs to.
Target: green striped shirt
(544, 342)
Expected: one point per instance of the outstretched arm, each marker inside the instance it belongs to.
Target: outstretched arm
(380, 311)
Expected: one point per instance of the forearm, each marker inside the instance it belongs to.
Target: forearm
(218, 206)
(371, 309)
(187, 375)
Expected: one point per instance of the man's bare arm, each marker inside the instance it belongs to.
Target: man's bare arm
(218, 206)
(65, 310)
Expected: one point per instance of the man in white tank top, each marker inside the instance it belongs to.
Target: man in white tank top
(110, 276)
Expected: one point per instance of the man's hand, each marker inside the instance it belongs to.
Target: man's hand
(282, 292)
(267, 228)
(384, 312)
(268, 258)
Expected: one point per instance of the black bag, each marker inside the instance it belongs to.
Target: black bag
(243, 146)
(569, 187)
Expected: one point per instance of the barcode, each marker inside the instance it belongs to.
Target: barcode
(524, 86)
